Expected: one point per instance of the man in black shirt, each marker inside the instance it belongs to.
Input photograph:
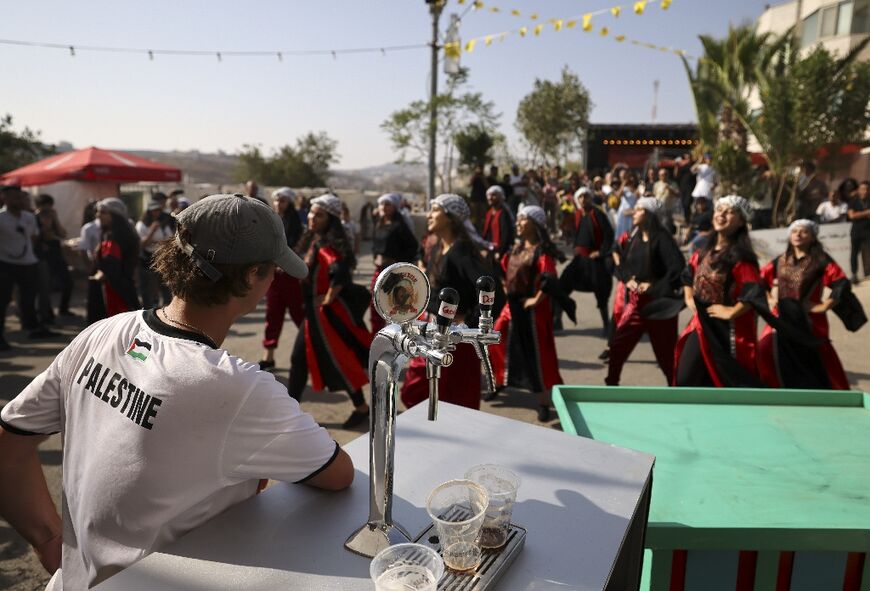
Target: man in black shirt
(859, 215)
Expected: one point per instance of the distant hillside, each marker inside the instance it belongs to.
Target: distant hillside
(220, 169)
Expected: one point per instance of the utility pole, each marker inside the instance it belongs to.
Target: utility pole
(435, 7)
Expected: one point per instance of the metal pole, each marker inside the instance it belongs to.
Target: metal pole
(435, 8)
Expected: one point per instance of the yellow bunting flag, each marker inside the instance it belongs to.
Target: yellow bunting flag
(571, 23)
(665, 4)
(557, 25)
(494, 9)
(534, 16)
(469, 47)
(616, 11)
(538, 29)
(461, 2)
(620, 38)
(604, 31)
(477, 5)
(515, 12)
(639, 6)
(587, 22)
(523, 31)
(488, 40)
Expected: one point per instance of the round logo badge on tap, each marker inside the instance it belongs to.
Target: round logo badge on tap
(401, 293)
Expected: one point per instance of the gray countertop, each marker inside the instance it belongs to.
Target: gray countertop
(576, 500)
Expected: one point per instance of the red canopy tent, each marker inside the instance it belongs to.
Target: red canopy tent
(92, 165)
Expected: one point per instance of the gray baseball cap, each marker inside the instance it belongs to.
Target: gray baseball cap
(236, 230)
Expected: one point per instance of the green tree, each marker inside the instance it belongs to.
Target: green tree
(18, 149)
(306, 164)
(475, 144)
(409, 128)
(553, 118)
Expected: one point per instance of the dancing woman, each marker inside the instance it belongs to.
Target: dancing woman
(721, 285)
(649, 272)
(333, 343)
(526, 356)
(392, 242)
(798, 352)
(450, 260)
(117, 257)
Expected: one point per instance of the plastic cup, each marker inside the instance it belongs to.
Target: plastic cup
(406, 567)
(501, 484)
(457, 509)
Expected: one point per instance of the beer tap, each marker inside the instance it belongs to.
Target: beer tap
(480, 338)
(449, 302)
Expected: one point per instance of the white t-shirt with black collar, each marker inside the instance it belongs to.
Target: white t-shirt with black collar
(162, 431)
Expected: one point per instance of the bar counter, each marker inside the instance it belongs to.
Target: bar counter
(584, 504)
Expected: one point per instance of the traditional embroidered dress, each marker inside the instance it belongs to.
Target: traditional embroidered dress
(460, 382)
(586, 274)
(498, 228)
(391, 243)
(659, 262)
(717, 352)
(801, 355)
(336, 340)
(526, 356)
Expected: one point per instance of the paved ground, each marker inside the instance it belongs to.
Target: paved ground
(578, 348)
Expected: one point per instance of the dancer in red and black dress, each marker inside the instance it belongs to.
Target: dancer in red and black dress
(285, 293)
(498, 225)
(333, 343)
(117, 257)
(526, 356)
(722, 284)
(649, 270)
(593, 241)
(798, 352)
(392, 242)
(451, 260)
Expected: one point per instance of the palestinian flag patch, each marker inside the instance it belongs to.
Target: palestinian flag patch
(139, 350)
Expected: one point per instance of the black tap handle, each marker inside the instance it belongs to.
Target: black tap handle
(449, 302)
(485, 292)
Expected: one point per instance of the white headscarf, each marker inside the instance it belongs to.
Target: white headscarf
(454, 205)
(738, 204)
(812, 226)
(330, 203)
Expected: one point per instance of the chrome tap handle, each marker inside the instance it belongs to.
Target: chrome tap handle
(448, 303)
(485, 299)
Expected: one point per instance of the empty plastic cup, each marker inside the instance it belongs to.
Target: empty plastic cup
(457, 509)
(406, 567)
(501, 484)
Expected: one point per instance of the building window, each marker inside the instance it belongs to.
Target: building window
(837, 19)
(810, 30)
(844, 18)
(861, 17)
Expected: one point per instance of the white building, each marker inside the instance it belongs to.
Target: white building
(838, 25)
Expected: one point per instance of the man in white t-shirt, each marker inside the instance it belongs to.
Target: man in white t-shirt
(833, 210)
(706, 180)
(162, 428)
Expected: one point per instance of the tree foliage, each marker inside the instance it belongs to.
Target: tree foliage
(554, 116)
(305, 164)
(456, 109)
(475, 145)
(19, 149)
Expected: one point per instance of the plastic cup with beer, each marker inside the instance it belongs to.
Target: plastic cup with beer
(457, 509)
(501, 485)
(406, 567)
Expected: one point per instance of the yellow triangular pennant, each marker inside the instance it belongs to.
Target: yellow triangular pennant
(494, 9)
(477, 5)
(620, 38)
(665, 4)
(538, 29)
(639, 6)
(523, 31)
(571, 24)
(616, 11)
(557, 25)
(534, 16)
(604, 31)
(460, 2)
(587, 22)
(488, 40)
(469, 47)
(515, 12)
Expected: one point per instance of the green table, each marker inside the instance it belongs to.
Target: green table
(765, 470)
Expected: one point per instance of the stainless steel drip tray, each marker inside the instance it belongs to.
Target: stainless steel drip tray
(493, 565)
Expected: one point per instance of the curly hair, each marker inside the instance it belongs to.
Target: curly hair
(334, 236)
(185, 280)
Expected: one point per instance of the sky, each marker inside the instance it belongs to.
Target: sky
(118, 100)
